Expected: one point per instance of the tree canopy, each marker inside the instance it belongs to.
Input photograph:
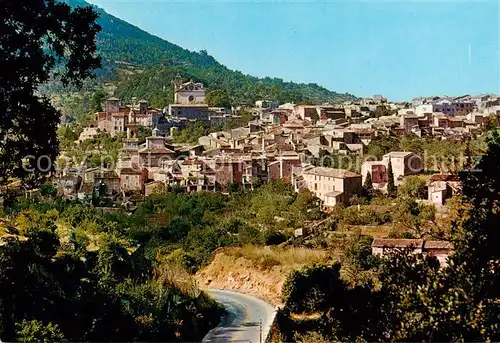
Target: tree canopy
(44, 40)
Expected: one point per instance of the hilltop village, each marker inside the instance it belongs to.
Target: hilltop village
(290, 142)
(150, 193)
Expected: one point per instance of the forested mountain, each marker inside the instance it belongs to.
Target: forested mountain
(121, 43)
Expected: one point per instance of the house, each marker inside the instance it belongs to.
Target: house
(439, 249)
(67, 185)
(377, 171)
(279, 116)
(331, 186)
(442, 187)
(155, 151)
(282, 167)
(409, 123)
(403, 164)
(88, 133)
(110, 180)
(191, 111)
(132, 179)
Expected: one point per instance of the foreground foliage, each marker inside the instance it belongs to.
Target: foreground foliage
(46, 39)
(412, 298)
(73, 277)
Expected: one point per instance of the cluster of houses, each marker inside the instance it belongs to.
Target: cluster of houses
(189, 105)
(283, 142)
(441, 117)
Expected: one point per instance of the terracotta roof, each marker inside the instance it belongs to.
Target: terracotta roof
(156, 151)
(397, 243)
(444, 177)
(331, 172)
(130, 171)
(437, 245)
(398, 154)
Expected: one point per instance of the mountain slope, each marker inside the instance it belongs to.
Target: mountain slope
(120, 42)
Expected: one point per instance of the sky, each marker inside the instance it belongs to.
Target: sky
(400, 49)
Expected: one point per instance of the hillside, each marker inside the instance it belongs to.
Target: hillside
(122, 44)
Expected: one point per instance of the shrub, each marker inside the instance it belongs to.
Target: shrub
(274, 237)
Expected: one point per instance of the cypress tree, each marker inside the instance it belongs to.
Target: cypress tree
(367, 186)
(391, 187)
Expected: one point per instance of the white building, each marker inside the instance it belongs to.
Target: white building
(189, 93)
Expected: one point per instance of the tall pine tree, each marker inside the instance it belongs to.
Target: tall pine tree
(391, 187)
(368, 186)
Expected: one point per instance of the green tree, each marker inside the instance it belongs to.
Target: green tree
(97, 100)
(46, 38)
(218, 98)
(413, 187)
(36, 331)
(391, 187)
(368, 186)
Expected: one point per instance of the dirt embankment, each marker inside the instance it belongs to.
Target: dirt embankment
(256, 271)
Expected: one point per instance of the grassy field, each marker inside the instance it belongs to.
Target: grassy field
(267, 257)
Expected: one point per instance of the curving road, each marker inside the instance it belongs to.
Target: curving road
(243, 319)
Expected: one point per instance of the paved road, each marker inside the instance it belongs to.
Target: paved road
(242, 322)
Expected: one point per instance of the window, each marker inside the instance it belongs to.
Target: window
(315, 186)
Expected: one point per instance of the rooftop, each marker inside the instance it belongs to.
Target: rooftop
(331, 172)
(397, 243)
(189, 105)
(437, 245)
(398, 154)
(444, 177)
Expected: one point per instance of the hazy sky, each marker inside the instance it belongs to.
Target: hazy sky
(399, 49)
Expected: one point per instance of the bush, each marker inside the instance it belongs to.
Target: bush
(274, 237)
(36, 331)
(311, 289)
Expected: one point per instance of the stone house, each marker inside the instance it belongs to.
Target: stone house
(190, 111)
(377, 171)
(442, 187)
(409, 123)
(331, 186)
(88, 133)
(110, 180)
(439, 249)
(155, 151)
(282, 167)
(132, 179)
(403, 164)
(67, 185)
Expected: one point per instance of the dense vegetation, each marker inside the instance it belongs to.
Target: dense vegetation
(71, 271)
(154, 84)
(41, 41)
(406, 296)
(124, 45)
(437, 155)
(67, 272)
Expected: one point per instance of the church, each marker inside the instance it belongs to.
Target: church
(188, 92)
